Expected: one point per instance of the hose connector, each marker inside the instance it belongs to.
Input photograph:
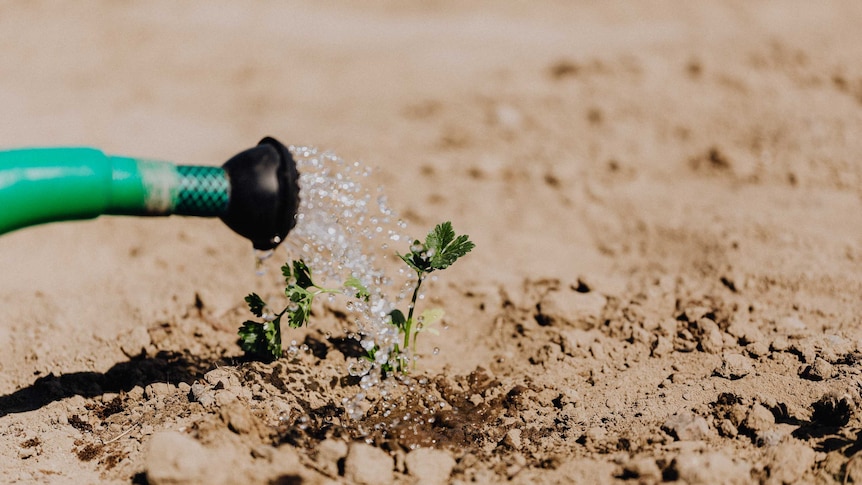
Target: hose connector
(264, 193)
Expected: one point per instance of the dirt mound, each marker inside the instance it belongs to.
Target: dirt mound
(665, 204)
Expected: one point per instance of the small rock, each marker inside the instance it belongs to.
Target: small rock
(645, 469)
(429, 466)
(734, 366)
(202, 394)
(708, 468)
(757, 349)
(758, 419)
(662, 346)
(687, 426)
(711, 340)
(780, 344)
(788, 462)
(285, 461)
(222, 378)
(238, 418)
(135, 394)
(368, 465)
(175, 458)
(329, 453)
(737, 414)
(820, 370)
(513, 438)
(727, 429)
(770, 438)
(157, 389)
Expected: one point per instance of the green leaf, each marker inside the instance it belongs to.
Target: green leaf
(302, 274)
(361, 290)
(429, 319)
(255, 304)
(398, 318)
(440, 237)
(261, 339)
(301, 298)
(285, 270)
(417, 258)
(445, 248)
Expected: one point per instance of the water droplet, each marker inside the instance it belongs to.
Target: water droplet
(358, 367)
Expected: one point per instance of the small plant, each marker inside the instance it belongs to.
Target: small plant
(439, 251)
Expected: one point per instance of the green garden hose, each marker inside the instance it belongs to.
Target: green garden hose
(255, 192)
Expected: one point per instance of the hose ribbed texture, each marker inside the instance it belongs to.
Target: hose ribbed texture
(202, 191)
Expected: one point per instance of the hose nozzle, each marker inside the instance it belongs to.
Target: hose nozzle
(264, 193)
(256, 193)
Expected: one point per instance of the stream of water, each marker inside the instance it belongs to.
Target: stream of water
(346, 229)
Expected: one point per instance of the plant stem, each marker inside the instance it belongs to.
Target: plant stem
(409, 322)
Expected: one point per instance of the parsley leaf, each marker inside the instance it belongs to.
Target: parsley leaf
(255, 304)
(302, 274)
(300, 308)
(440, 250)
(361, 291)
(397, 318)
(261, 339)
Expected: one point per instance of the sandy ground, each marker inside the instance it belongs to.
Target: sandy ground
(665, 198)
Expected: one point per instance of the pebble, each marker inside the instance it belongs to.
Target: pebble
(645, 469)
(368, 465)
(663, 346)
(696, 468)
(513, 438)
(429, 466)
(820, 370)
(757, 349)
(202, 394)
(711, 339)
(734, 366)
(223, 377)
(329, 453)
(687, 426)
(175, 458)
(788, 462)
(238, 418)
(157, 389)
(759, 419)
(780, 344)
(727, 428)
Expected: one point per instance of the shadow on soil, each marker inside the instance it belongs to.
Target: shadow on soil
(166, 366)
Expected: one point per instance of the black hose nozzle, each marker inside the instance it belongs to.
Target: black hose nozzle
(264, 193)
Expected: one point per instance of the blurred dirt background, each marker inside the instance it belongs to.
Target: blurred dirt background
(665, 197)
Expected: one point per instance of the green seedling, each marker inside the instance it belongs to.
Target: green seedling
(439, 251)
